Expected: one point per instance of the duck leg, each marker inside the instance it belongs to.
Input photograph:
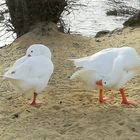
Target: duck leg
(101, 98)
(34, 99)
(124, 99)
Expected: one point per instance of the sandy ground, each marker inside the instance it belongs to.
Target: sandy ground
(69, 111)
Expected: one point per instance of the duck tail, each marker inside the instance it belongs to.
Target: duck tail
(75, 75)
(82, 74)
(78, 62)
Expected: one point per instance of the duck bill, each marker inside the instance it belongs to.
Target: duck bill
(99, 83)
(29, 55)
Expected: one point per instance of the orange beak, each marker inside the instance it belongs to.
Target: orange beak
(99, 83)
(29, 55)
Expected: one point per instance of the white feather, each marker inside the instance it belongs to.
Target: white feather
(31, 73)
(115, 65)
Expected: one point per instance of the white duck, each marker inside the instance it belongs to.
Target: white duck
(32, 71)
(109, 68)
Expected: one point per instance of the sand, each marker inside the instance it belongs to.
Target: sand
(69, 111)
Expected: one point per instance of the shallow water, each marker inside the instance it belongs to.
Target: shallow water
(91, 17)
(87, 19)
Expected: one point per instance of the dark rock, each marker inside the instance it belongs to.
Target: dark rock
(102, 33)
(15, 115)
(117, 30)
(112, 12)
(129, 11)
(133, 21)
(123, 10)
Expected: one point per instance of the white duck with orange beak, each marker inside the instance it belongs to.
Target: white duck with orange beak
(32, 71)
(109, 68)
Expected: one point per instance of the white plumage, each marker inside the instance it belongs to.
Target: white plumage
(113, 67)
(32, 71)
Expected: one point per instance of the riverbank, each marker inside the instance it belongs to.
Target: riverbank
(69, 112)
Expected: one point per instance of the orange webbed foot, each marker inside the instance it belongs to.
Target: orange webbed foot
(104, 99)
(129, 102)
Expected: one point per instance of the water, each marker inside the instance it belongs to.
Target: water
(91, 18)
(6, 36)
(87, 19)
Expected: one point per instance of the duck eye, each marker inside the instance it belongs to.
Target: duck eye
(31, 51)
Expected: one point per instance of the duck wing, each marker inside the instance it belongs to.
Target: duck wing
(102, 61)
(31, 68)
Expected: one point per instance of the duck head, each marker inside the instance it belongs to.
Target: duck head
(38, 49)
(103, 82)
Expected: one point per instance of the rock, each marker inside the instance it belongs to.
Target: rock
(102, 33)
(15, 115)
(123, 10)
(133, 21)
(97, 40)
(112, 12)
(117, 30)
